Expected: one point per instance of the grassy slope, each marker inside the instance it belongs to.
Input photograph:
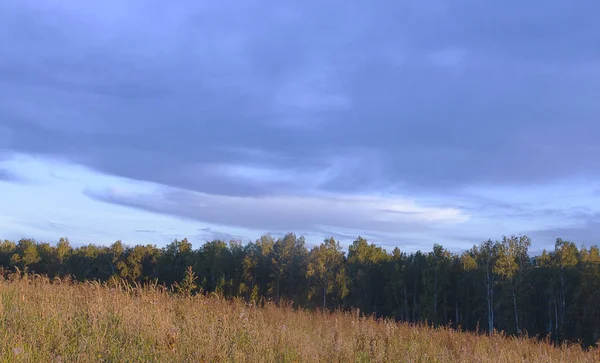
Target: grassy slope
(61, 321)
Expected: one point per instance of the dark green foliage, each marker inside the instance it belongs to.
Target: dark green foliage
(494, 286)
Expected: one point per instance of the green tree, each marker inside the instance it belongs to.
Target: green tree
(7, 250)
(486, 256)
(326, 269)
(566, 258)
(365, 265)
(437, 279)
(288, 259)
(511, 263)
(585, 311)
(214, 265)
(257, 265)
(174, 259)
(26, 253)
(397, 286)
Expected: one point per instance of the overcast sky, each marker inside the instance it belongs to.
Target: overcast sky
(407, 122)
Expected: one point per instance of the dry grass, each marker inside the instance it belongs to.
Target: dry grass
(88, 322)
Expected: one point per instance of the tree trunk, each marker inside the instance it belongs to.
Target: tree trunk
(262, 280)
(516, 311)
(435, 298)
(375, 305)
(550, 328)
(562, 297)
(490, 300)
(457, 322)
(445, 310)
(278, 286)
(406, 314)
(414, 307)
(556, 321)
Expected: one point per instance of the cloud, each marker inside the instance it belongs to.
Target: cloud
(57, 226)
(271, 112)
(151, 231)
(365, 215)
(367, 97)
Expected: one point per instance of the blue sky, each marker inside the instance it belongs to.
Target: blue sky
(407, 122)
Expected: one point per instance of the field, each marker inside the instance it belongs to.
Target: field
(62, 321)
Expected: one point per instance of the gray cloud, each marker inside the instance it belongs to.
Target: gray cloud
(266, 99)
(398, 95)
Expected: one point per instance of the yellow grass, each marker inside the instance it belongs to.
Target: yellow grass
(42, 321)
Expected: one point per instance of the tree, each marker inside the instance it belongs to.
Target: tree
(466, 269)
(586, 310)
(287, 265)
(63, 250)
(215, 266)
(7, 250)
(397, 286)
(486, 256)
(438, 265)
(510, 264)
(174, 259)
(566, 257)
(26, 253)
(326, 268)
(365, 265)
(257, 265)
(416, 264)
(139, 263)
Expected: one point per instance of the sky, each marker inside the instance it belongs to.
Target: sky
(407, 122)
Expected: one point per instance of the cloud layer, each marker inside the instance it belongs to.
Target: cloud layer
(283, 103)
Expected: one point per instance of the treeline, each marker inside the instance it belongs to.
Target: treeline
(495, 285)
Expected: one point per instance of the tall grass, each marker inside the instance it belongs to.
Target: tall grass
(64, 321)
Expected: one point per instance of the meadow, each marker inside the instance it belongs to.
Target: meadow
(59, 320)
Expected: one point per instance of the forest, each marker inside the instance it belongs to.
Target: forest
(496, 286)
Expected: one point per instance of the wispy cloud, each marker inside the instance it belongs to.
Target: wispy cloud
(367, 214)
